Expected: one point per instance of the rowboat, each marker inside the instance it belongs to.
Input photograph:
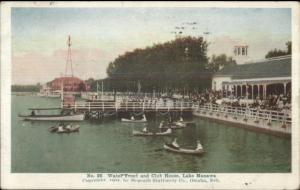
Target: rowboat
(132, 120)
(170, 125)
(68, 130)
(147, 133)
(74, 117)
(183, 123)
(179, 124)
(173, 147)
(53, 129)
(64, 129)
(49, 94)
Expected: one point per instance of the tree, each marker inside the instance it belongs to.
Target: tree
(90, 80)
(25, 88)
(278, 52)
(174, 64)
(289, 47)
(218, 62)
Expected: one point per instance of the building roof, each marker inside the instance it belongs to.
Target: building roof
(67, 79)
(269, 68)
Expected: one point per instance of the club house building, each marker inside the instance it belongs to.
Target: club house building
(247, 83)
(255, 80)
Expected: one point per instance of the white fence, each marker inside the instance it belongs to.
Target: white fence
(130, 105)
(271, 115)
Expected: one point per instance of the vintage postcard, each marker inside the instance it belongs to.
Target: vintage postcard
(150, 95)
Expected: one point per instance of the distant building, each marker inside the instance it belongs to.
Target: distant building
(257, 79)
(70, 84)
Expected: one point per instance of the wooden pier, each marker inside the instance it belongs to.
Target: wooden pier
(269, 121)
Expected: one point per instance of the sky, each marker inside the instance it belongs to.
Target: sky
(99, 35)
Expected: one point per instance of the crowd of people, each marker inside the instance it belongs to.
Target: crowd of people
(272, 102)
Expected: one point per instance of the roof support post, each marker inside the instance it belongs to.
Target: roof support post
(264, 91)
(252, 91)
(284, 88)
(247, 94)
(258, 88)
(241, 90)
(234, 90)
(222, 91)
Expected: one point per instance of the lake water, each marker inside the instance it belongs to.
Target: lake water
(110, 147)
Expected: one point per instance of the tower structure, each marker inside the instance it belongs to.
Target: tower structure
(241, 53)
(69, 65)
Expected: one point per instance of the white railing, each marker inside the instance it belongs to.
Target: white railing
(130, 105)
(111, 95)
(271, 115)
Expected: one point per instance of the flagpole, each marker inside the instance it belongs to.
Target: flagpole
(97, 87)
(102, 91)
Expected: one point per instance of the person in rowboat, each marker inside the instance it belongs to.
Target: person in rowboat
(60, 128)
(181, 119)
(144, 117)
(161, 124)
(174, 143)
(68, 126)
(145, 130)
(199, 146)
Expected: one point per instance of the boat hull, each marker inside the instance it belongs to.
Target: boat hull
(139, 133)
(133, 121)
(182, 150)
(78, 117)
(179, 124)
(172, 127)
(49, 95)
(72, 130)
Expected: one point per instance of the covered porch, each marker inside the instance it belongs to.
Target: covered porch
(257, 88)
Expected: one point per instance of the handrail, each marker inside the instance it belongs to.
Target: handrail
(271, 115)
(130, 105)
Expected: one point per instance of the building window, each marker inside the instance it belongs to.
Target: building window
(243, 51)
